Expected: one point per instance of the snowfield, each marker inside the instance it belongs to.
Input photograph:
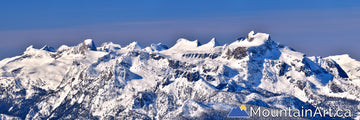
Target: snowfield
(185, 81)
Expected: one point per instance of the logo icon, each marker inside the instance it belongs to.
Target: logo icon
(239, 112)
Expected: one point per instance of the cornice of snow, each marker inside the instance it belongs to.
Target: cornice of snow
(183, 43)
(251, 40)
(211, 44)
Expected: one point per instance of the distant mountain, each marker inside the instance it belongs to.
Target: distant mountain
(187, 80)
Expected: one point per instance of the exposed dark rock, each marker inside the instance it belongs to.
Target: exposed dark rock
(240, 52)
(144, 98)
(156, 57)
(206, 70)
(192, 76)
(237, 53)
(221, 86)
(283, 69)
(135, 53)
(175, 64)
(250, 39)
(87, 46)
(292, 81)
(17, 70)
(201, 55)
(188, 75)
(331, 64)
(209, 78)
(178, 73)
(125, 64)
(300, 85)
(228, 54)
(334, 88)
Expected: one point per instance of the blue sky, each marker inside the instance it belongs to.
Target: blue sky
(321, 27)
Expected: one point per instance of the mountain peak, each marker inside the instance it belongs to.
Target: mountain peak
(212, 43)
(134, 45)
(110, 46)
(257, 37)
(183, 43)
(253, 39)
(250, 36)
(344, 58)
(89, 43)
(48, 48)
(186, 41)
(29, 48)
(188, 82)
(159, 47)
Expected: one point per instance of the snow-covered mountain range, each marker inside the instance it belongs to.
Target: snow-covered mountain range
(187, 80)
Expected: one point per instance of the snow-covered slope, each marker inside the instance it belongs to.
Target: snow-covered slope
(349, 65)
(187, 80)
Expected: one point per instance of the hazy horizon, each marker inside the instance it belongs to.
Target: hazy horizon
(316, 28)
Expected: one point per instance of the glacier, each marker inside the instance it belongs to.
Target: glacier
(186, 81)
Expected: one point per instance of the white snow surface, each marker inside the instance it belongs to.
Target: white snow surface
(187, 80)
